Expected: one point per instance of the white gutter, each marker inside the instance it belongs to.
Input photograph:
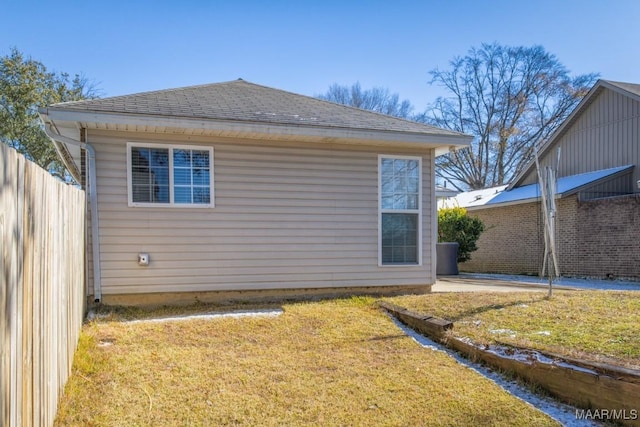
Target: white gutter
(93, 203)
(444, 142)
(68, 163)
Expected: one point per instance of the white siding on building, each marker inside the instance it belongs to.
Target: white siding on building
(286, 216)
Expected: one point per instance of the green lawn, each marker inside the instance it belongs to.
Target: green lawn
(339, 362)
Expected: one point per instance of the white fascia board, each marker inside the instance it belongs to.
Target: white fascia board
(501, 205)
(441, 143)
(518, 202)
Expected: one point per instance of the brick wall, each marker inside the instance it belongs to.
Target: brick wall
(511, 243)
(597, 238)
(608, 244)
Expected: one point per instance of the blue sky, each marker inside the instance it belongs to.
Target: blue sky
(305, 46)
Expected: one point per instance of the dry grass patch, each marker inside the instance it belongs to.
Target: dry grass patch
(601, 326)
(329, 363)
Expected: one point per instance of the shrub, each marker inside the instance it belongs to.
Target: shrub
(455, 225)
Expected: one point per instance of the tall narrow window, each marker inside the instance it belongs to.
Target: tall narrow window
(399, 209)
(170, 176)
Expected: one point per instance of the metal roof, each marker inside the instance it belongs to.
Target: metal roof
(443, 191)
(566, 185)
(473, 198)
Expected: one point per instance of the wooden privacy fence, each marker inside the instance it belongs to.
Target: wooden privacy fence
(42, 297)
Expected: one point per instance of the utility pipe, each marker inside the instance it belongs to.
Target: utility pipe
(93, 204)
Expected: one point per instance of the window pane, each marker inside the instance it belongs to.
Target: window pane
(397, 254)
(201, 177)
(182, 194)
(386, 167)
(160, 194)
(412, 201)
(411, 252)
(150, 175)
(399, 238)
(387, 202)
(413, 184)
(140, 156)
(413, 168)
(141, 193)
(201, 195)
(200, 159)
(181, 158)
(399, 166)
(140, 175)
(400, 184)
(387, 184)
(159, 157)
(192, 177)
(181, 176)
(150, 168)
(400, 201)
(411, 239)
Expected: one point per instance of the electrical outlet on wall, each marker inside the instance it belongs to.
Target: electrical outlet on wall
(143, 259)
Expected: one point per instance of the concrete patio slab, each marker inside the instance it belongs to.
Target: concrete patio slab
(469, 282)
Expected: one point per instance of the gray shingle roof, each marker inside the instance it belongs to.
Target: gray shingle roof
(243, 101)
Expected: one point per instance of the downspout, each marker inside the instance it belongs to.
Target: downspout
(93, 203)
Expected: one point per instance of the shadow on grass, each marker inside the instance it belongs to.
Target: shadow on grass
(117, 313)
(483, 309)
(385, 337)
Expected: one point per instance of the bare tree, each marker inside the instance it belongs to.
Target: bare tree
(376, 99)
(508, 98)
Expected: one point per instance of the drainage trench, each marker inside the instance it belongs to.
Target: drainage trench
(529, 365)
(563, 413)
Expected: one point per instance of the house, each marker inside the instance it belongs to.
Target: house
(444, 193)
(596, 152)
(236, 190)
(469, 199)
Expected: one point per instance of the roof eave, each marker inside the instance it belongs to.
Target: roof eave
(442, 143)
(500, 205)
(620, 87)
(523, 201)
(625, 170)
(569, 192)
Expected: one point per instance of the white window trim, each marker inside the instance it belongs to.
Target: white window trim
(413, 211)
(171, 204)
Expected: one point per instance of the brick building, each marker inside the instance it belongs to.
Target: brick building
(598, 196)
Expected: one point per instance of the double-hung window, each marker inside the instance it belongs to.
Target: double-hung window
(400, 195)
(161, 175)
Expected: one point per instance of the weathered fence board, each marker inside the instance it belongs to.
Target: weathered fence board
(42, 295)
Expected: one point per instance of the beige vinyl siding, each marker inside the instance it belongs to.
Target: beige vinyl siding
(286, 216)
(605, 135)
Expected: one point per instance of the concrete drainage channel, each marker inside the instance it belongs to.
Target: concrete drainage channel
(602, 392)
